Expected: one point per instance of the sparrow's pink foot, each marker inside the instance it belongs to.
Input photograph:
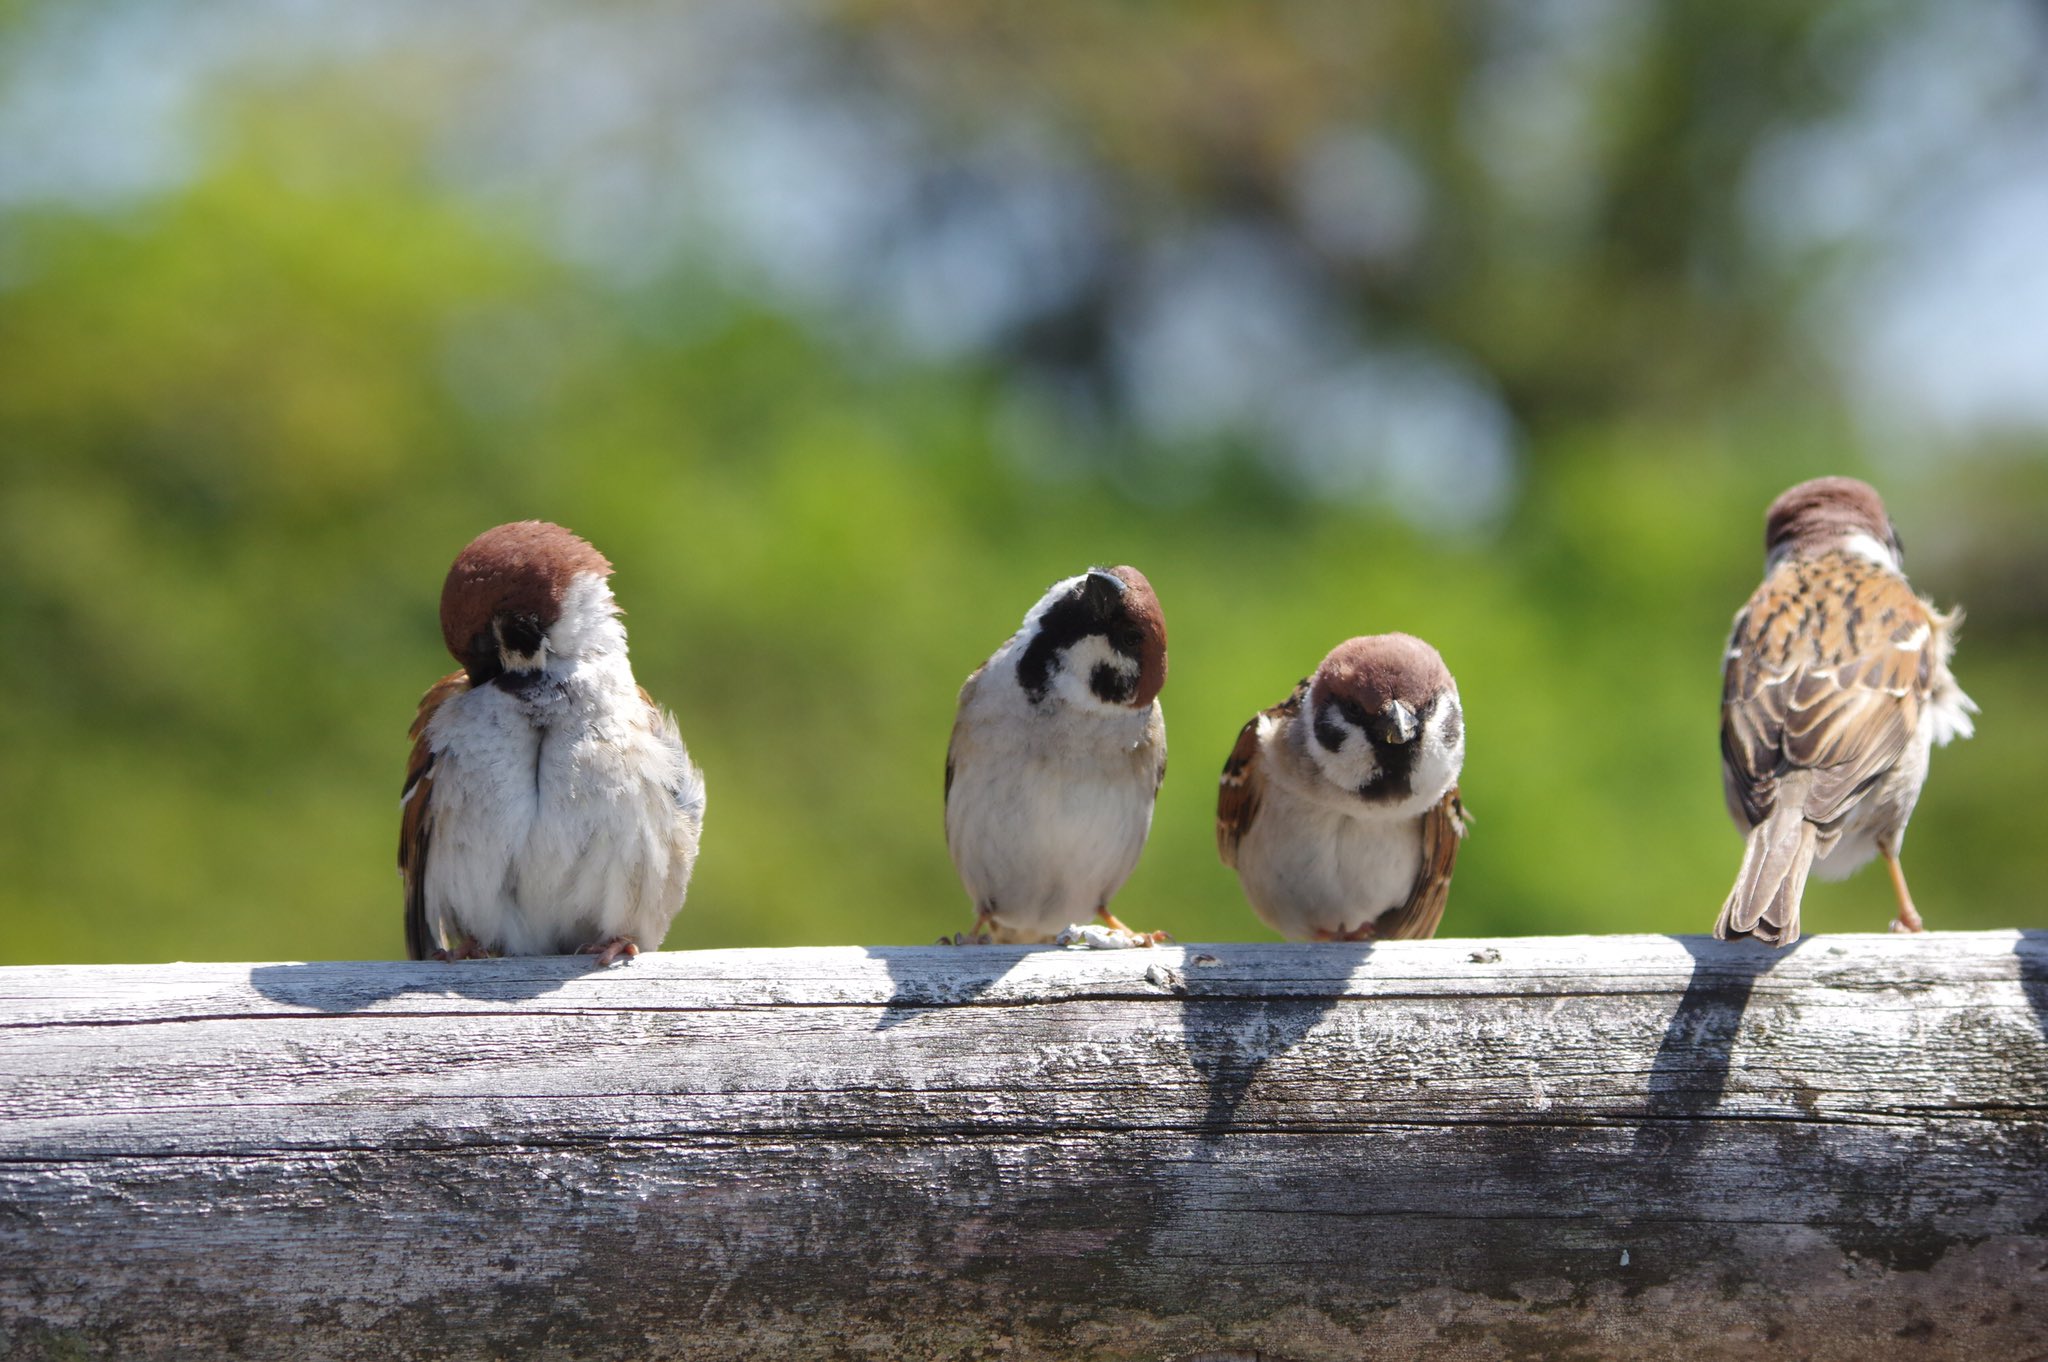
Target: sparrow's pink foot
(1908, 919)
(1363, 932)
(612, 951)
(983, 933)
(1109, 920)
(467, 948)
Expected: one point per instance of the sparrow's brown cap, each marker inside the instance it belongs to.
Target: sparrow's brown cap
(1141, 607)
(1373, 670)
(1825, 510)
(521, 568)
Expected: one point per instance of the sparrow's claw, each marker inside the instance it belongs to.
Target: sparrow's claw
(1363, 932)
(1111, 921)
(1094, 936)
(610, 952)
(983, 933)
(468, 948)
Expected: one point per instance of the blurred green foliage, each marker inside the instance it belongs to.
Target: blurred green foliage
(245, 425)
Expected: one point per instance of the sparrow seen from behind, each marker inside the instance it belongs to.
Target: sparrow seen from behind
(1338, 807)
(1058, 749)
(1835, 688)
(550, 806)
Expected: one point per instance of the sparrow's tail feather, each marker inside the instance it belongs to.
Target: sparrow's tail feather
(1765, 900)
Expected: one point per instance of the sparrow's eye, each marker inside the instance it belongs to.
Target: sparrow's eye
(1125, 638)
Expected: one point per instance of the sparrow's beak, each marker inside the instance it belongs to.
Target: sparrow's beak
(1104, 592)
(1397, 723)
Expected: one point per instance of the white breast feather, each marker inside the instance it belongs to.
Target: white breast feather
(565, 815)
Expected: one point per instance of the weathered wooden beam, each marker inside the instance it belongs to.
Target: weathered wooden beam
(1617, 1147)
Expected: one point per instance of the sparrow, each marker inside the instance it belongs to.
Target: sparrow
(1057, 752)
(1338, 807)
(550, 806)
(1834, 689)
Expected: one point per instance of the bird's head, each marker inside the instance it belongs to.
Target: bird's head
(1385, 722)
(1096, 641)
(524, 596)
(1831, 513)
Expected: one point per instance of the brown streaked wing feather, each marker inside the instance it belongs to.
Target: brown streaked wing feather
(1238, 792)
(1749, 726)
(1817, 682)
(1443, 827)
(416, 820)
(953, 739)
(1860, 740)
(1243, 783)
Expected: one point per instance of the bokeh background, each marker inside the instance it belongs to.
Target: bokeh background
(845, 328)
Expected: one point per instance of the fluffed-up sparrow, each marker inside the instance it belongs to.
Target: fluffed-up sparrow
(550, 806)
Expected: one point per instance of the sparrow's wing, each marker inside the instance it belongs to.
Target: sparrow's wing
(1242, 787)
(688, 790)
(1827, 669)
(1443, 827)
(416, 819)
(967, 689)
(1238, 791)
(1155, 748)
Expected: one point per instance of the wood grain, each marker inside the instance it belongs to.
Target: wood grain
(1612, 1147)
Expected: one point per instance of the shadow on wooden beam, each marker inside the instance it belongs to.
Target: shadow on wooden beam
(1618, 1147)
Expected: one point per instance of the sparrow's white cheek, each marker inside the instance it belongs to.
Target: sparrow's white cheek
(589, 622)
(1078, 661)
(1352, 765)
(1447, 726)
(1443, 753)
